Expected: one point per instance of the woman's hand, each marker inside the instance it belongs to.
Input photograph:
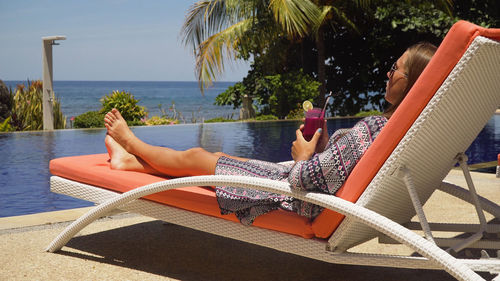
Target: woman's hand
(302, 149)
(323, 141)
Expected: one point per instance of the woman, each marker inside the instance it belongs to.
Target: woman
(322, 164)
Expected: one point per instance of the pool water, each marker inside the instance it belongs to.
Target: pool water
(25, 156)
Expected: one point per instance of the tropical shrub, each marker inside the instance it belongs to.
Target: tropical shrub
(5, 125)
(233, 95)
(157, 120)
(368, 113)
(126, 104)
(289, 90)
(91, 119)
(275, 94)
(266, 117)
(219, 119)
(297, 113)
(6, 101)
(27, 111)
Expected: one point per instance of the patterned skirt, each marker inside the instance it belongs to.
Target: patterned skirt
(247, 204)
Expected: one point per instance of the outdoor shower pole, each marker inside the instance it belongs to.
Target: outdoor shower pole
(48, 94)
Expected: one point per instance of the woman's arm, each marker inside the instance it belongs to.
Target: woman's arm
(327, 171)
(323, 140)
(302, 149)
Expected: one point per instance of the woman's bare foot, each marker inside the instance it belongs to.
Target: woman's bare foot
(120, 158)
(118, 129)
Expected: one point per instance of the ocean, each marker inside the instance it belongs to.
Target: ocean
(24, 179)
(78, 97)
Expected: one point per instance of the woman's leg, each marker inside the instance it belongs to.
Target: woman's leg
(195, 161)
(120, 159)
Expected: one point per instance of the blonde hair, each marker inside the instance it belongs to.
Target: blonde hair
(418, 56)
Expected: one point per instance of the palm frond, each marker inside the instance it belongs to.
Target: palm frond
(203, 19)
(341, 17)
(445, 5)
(216, 49)
(296, 17)
(363, 3)
(323, 17)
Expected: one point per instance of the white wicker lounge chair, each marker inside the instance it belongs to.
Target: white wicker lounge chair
(466, 96)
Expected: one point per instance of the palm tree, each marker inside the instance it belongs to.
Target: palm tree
(219, 30)
(333, 14)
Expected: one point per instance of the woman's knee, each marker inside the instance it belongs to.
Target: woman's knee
(199, 161)
(194, 152)
(198, 153)
(219, 154)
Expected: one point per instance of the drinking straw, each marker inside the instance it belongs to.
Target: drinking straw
(326, 102)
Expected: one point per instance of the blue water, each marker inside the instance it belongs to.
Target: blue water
(25, 156)
(24, 172)
(24, 177)
(78, 97)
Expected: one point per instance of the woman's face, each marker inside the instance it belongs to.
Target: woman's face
(397, 80)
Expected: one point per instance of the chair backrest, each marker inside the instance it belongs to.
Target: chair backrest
(450, 103)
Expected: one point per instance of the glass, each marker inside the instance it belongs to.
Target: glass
(394, 68)
(314, 121)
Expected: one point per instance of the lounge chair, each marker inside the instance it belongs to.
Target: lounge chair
(448, 106)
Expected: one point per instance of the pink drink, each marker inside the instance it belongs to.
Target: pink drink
(314, 120)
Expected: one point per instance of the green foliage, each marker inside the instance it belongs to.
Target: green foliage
(357, 63)
(121, 100)
(297, 113)
(6, 101)
(175, 114)
(91, 119)
(368, 113)
(266, 117)
(423, 18)
(5, 125)
(126, 104)
(59, 118)
(27, 112)
(221, 30)
(157, 120)
(232, 96)
(482, 12)
(277, 94)
(136, 123)
(288, 91)
(358, 39)
(219, 119)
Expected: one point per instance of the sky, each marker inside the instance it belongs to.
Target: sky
(107, 40)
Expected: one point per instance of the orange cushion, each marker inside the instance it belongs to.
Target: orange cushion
(447, 56)
(94, 170)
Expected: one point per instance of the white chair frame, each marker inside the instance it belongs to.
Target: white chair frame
(409, 176)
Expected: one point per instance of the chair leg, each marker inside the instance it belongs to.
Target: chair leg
(462, 160)
(408, 180)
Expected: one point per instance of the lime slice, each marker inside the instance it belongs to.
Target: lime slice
(307, 105)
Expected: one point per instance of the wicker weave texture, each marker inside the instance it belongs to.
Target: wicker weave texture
(447, 126)
(429, 250)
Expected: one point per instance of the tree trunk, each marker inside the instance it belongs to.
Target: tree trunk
(320, 46)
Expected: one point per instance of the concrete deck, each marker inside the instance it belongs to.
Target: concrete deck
(132, 247)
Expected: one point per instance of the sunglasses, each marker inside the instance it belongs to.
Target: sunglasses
(394, 68)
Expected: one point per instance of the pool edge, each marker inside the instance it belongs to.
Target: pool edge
(45, 218)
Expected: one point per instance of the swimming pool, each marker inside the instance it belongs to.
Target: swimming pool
(24, 172)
